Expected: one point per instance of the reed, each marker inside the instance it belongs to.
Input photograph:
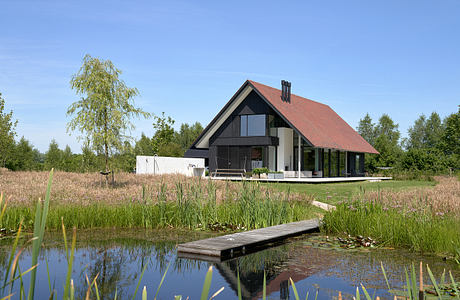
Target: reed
(247, 212)
(420, 229)
(153, 202)
(41, 215)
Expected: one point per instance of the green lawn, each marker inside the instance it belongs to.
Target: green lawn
(334, 192)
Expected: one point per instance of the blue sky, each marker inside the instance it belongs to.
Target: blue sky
(187, 58)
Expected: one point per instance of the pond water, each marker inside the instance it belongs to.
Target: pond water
(119, 257)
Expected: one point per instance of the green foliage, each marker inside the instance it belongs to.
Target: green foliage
(25, 157)
(53, 156)
(450, 139)
(425, 160)
(195, 208)
(384, 136)
(432, 145)
(167, 142)
(164, 132)
(188, 134)
(7, 133)
(420, 230)
(258, 171)
(103, 113)
(388, 128)
(125, 160)
(171, 149)
(425, 133)
(390, 152)
(144, 146)
(367, 129)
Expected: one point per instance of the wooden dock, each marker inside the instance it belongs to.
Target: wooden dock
(224, 247)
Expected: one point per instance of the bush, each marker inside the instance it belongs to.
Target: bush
(258, 171)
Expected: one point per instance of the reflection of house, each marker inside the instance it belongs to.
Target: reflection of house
(251, 283)
(265, 127)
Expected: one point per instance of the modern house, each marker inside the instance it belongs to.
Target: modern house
(263, 126)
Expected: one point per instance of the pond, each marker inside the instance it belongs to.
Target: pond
(118, 257)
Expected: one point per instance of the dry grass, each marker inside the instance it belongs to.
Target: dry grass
(441, 199)
(85, 189)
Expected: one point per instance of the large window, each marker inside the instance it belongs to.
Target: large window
(252, 125)
(309, 159)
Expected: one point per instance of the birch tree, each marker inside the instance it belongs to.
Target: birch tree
(103, 114)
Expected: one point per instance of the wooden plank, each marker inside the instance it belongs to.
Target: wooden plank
(235, 244)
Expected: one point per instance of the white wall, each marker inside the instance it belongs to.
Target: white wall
(169, 165)
(285, 148)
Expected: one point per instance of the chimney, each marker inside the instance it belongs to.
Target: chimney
(286, 91)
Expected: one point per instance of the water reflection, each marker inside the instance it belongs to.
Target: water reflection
(117, 258)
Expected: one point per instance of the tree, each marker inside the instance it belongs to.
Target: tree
(125, 160)
(367, 129)
(171, 149)
(68, 163)
(387, 127)
(53, 156)
(24, 157)
(144, 146)
(164, 132)
(386, 143)
(7, 133)
(417, 134)
(89, 161)
(433, 131)
(103, 114)
(188, 134)
(450, 139)
(426, 133)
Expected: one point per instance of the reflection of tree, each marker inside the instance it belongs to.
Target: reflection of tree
(113, 262)
(4, 256)
(251, 269)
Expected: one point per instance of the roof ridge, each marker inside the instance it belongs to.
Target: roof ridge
(252, 82)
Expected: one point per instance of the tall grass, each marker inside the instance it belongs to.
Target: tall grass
(421, 220)
(40, 219)
(419, 230)
(196, 206)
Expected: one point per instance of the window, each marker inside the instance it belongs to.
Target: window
(257, 157)
(252, 125)
(244, 126)
(309, 159)
(357, 168)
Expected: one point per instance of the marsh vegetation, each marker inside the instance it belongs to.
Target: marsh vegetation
(425, 220)
(150, 202)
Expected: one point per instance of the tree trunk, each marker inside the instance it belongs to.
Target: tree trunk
(106, 165)
(106, 149)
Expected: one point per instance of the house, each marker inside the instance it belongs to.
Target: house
(262, 126)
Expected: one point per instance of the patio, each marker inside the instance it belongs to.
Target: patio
(306, 180)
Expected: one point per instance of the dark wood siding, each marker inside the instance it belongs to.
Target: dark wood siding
(237, 148)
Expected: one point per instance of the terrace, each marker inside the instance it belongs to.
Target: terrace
(303, 179)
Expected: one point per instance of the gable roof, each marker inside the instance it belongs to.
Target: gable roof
(316, 122)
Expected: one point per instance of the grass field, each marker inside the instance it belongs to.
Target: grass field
(138, 201)
(333, 193)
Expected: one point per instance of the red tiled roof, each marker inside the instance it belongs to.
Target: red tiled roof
(317, 122)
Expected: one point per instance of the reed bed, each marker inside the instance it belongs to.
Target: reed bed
(443, 198)
(427, 220)
(150, 202)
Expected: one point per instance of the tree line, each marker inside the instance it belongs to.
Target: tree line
(432, 145)
(21, 155)
(102, 118)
